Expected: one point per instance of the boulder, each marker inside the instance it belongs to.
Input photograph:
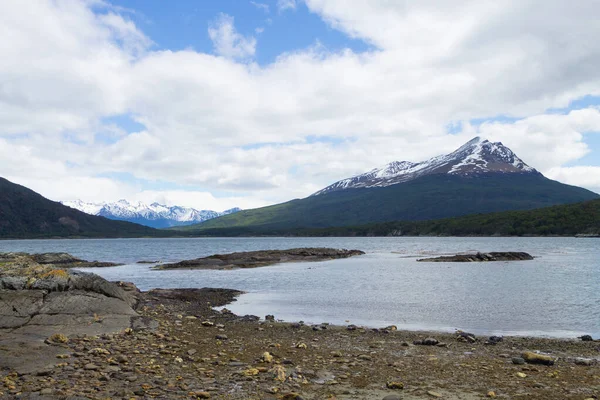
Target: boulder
(535, 358)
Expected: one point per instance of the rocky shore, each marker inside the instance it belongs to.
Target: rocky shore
(261, 258)
(172, 344)
(483, 257)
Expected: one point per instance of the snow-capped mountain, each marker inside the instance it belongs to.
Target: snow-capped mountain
(154, 215)
(477, 156)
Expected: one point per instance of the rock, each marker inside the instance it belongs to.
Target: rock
(91, 367)
(518, 360)
(493, 340)
(521, 375)
(46, 392)
(251, 372)
(430, 342)
(267, 357)
(534, 358)
(394, 385)
(221, 337)
(482, 257)
(491, 394)
(269, 317)
(433, 394)
(58, 338)
(207, 323)
(391, 397)
(584, 361)
(351, 327)
(202, 395)
(365, 357)
(586, 338)
(261, 258)
(301, 346)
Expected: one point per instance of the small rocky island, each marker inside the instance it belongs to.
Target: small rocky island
(483, 257)
(262, 258)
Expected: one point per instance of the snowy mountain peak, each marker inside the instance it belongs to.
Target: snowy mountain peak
(477, 156)
(155, 215)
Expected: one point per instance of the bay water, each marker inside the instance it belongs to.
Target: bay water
(557, 294)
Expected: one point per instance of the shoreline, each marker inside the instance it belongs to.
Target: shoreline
(195, 351)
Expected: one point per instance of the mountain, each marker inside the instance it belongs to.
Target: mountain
(154, 215)
(479, 177)
(26, 214)
(476, 157)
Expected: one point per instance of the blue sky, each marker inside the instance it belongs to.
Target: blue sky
(223, 103)
(182, 24)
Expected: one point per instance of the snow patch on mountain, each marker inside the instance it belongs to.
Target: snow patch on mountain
(477, 156)
(155, 215)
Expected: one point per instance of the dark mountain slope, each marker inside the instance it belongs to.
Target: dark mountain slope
(428, 197)
(564, 220)
(26, 214)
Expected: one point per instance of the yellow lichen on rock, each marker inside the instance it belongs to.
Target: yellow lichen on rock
(55, 273)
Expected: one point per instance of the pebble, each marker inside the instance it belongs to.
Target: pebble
(221, 337)
(91, 367)
(521, 375)
(394, 385)
(584, 361)
(518, 360)
(391, 397)
(434, 394)
(430, 342)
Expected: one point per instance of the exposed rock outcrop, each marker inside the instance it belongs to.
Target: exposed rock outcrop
(261, 258)
(483, 257)
(38, 301)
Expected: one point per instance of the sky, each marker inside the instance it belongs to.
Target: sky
(217, 104)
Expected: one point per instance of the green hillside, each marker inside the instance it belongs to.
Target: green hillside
(564, 220)
(430, 197)
(26, 214)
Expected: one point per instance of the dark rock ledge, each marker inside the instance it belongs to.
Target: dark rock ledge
(261, 258)
(482, 257)
(41, 301)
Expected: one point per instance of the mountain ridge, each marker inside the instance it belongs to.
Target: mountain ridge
(154, 215)
(477, 156)
(27, 214)
(478, 177)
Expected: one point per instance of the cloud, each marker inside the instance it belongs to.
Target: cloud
(258, 134)
(284, 5)
(585, 176)
(261, 6)
(228, 42)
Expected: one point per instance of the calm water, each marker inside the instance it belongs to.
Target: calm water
(554, 295)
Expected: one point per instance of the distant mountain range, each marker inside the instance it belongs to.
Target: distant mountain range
(26, 214)
(154, 215)
(479, 177)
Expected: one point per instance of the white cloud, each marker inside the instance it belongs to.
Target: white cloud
(284, 5)
(228, 42)
(585, 176)
(264, 134)
(261, 6)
